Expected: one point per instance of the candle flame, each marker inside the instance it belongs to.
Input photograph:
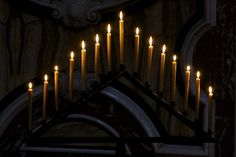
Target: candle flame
(109, 28)
(56, 68)
(198, 74)
(164, 48)
(72, 55)
(174, 58)
(188, 68)
(45, 77)
(137, 31)
(30, 85)
(121, 15)
(210, 90)
(83, 44)
(150, 41)
(97, 38)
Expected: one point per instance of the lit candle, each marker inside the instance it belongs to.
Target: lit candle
(187, 79)
(197, 93)
(173, 79)
(56, 72)
(121, 35)
(45, 90)
(136, 49)
(96, 61)
(71, 73)
(149, 67)
(210, 95)
(30, 105)
(109, 47)
(83, 66)
(162, 68)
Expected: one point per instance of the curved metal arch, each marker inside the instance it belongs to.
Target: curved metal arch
(136, 111)
(95, 121)
(15, 107)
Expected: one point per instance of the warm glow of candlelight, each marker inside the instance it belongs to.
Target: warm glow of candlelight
(109, 28)
(97, 38)
(83, 44)
(72, 55)
(174, 58)
(121, 15)
(210, 90)
(46, 77)
(150, 41)
(164, 48)
(56, 68)
(198, 74)
(30, 85)
(137, 31)
(188, 68)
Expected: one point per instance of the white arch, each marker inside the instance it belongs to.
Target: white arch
(136, 111)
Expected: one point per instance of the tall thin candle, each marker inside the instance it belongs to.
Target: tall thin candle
(96, 61)
(136, 50)
(162, 68)
(71, 74)
(149, 67)
(45, 90)
(56, 72)
(197, 93)
(121, 35)
(83, 66)
(30, 105)
(210, 95)
(109, 47)
(187, 79)
(173, 79)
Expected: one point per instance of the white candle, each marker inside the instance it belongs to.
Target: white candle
(96, 61)
(173, 79)
(197, 93)
(56, 72)
(83, 66)
(121, 35)
(30, 105)
(187, 79)
(136, 50)
(109, 47)
(149, 67)
(45, 90)
(162, 68)
(71, 74)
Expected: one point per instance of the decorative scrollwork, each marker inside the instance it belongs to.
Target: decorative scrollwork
(74, 13)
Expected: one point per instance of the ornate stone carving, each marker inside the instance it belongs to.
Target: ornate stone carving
(74, 13)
